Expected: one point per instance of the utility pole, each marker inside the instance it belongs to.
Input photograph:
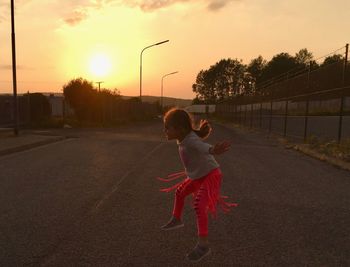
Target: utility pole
(14, 75)
(341, 111)
(99, 85)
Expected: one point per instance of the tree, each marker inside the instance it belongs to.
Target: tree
(332, 59)
(255, 69)
(278, 68)
(220, 81)
(279, 64)
(197, 101)
(82, 97)
(303, 57)
(230, 74)
(204, 86)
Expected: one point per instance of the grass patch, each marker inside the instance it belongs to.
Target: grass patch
(331, 148)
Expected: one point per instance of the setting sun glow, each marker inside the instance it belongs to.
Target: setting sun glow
(100, 65)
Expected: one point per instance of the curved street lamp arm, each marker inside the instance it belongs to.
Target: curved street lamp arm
(141, 62)
(170, 74)
(161, 90)
(154, 45)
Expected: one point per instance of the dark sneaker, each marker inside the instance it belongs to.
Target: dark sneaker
(198, 253)
(172, 224)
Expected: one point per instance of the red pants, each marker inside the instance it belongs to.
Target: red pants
(205, 195)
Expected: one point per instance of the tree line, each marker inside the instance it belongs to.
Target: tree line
(230, 78)
(104, 106)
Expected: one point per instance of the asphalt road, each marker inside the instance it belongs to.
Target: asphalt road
(93, 200)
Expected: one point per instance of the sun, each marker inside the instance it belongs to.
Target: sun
(100, 65)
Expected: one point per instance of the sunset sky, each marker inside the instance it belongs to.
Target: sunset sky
(59, 40)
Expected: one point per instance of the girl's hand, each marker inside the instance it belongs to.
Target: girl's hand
(220, 148)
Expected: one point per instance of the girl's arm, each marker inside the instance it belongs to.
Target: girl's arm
(220, 148)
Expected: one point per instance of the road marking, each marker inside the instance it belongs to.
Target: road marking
(116, 186)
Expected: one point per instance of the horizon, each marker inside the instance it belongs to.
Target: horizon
(200, 33)
(61, 93)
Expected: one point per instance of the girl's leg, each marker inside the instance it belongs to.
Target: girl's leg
(201, 208)
(188, 187)
(184, 189)
(201, 202)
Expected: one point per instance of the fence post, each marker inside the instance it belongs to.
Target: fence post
(28, 109)
(342, 95)
(235, 113)
(285, 119)
(270, 123)
(251, 115)
(307, 104)
(64, 110)
(260, 123)
(240, 115)
(306, 118)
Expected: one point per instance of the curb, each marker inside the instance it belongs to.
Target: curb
(302, 148)
(30, 146)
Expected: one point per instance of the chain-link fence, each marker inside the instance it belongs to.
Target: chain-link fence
(303, 103)
(325, 118)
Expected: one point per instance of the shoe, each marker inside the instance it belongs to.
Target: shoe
(172, 224)
(198, 253)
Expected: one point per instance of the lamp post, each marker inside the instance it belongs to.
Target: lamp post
(161, 90)
(14, 75)
(141, 64)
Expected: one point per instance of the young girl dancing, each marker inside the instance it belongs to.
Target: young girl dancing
(203, 175)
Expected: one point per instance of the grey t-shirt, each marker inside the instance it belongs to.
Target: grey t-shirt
(195, 156)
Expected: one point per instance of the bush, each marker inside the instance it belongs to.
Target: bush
(40, 108)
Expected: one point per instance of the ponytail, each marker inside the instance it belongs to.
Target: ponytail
(180, 118)
(204, 129)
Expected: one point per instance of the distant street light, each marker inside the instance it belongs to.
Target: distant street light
(141, 64)
(161, 91)
(14, 75)
(99, 86)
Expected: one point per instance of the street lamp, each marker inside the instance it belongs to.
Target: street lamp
(161, 91)
(14, 75)
(141, 63)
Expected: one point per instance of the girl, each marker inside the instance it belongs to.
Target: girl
(202, 172)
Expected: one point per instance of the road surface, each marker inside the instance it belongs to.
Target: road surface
(93, 200)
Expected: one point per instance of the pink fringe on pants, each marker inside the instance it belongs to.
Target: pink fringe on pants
(208, 185)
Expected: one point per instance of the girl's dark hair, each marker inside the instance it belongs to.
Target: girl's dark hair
(181, 119)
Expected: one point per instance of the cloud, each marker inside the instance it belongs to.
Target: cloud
(9, 67)
(151, 5)
(82, 8)
(5, 67)
(76, 17)
(218, 4)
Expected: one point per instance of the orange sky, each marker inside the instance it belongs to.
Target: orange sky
(57, 40)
